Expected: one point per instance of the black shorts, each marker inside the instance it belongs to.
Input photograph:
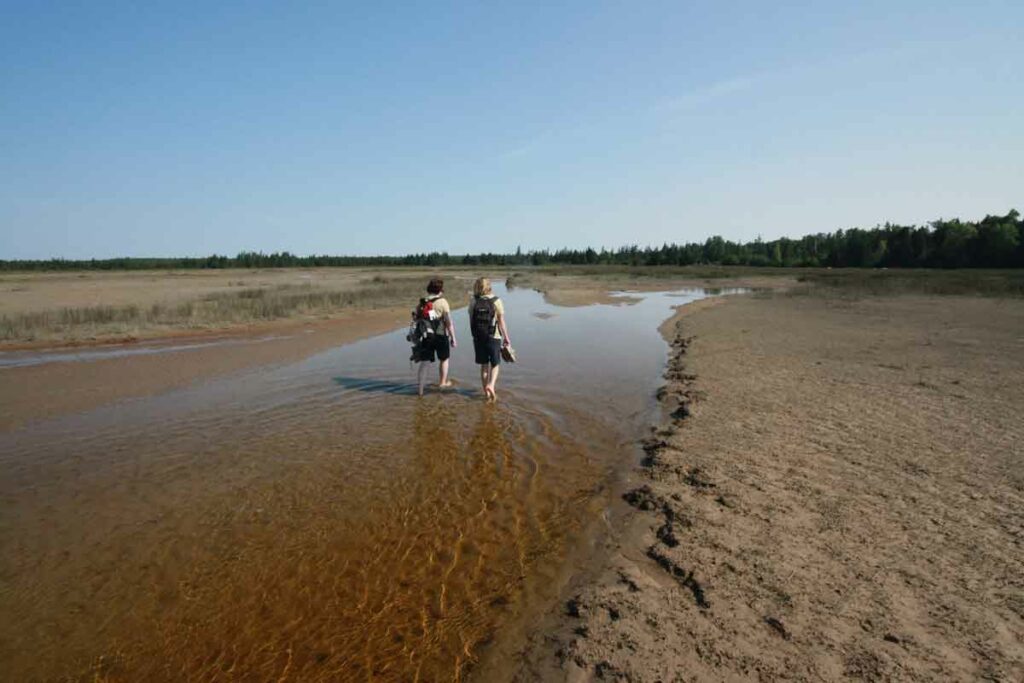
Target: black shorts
(434, 344)
(488, 351)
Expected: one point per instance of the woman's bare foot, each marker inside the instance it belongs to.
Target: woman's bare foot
(447, 385)
(489, 394)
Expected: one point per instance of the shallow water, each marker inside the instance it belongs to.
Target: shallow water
(23, 359)
(317, 520)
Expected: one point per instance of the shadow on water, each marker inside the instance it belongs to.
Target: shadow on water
(380, 386)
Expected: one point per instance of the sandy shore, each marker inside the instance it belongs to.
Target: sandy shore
(836, 492)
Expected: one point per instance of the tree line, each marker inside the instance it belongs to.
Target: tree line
(993, 242)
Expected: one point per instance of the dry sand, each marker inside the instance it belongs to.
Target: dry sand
(837, 492)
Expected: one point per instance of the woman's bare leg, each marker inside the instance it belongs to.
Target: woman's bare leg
(485, 376)
(443, 380)
(493, 380)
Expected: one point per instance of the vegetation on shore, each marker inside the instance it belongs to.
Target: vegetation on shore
(861, 283)
(993, 242)
(261, 304)
(817, 281)
(214, 310)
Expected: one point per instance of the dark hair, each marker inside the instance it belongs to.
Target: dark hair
(436, 286)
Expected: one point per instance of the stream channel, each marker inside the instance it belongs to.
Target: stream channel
(317, 520)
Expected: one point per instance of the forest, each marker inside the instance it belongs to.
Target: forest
(992, 242)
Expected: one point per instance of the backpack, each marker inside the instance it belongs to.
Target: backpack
(425, 322)
(482, 317)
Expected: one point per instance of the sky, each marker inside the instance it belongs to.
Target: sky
(185, 129)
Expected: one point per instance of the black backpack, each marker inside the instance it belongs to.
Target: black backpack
(482, 317)
(426, 316)
(422, 326)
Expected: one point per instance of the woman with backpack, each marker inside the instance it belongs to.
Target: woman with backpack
(490, 334)
(432, 333)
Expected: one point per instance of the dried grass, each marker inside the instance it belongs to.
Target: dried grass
(219, 309)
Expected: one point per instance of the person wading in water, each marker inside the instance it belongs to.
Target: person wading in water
(490, 334)
(432, 333)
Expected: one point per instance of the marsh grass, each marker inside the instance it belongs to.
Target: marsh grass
(848, 283)
(616, 272)
(236, 306)
(859, 283)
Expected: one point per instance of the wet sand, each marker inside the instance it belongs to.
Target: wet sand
(46, 391)
(836, 491)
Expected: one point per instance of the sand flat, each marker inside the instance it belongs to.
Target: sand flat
(840, 496)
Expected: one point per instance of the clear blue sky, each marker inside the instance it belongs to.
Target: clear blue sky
(184, 128)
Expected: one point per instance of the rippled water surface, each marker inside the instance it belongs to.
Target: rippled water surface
(317, 520)
(21, 359)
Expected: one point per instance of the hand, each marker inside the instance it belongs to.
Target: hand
(506, 342)
(454, 343)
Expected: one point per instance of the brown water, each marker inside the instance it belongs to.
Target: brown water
(318, 521)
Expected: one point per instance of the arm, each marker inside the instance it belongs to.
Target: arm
(504, 331)
(450, 328)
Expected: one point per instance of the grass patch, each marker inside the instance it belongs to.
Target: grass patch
(614, 272)
(236, 306)
(854, 283)
(835, 283)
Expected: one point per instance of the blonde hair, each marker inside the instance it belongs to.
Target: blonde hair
(482, 287)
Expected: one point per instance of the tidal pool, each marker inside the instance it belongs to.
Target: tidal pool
(317, 520)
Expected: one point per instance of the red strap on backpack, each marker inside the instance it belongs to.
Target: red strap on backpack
(426, 307)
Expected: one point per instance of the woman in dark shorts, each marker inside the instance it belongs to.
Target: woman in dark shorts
(490, 333)
(442, 338)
